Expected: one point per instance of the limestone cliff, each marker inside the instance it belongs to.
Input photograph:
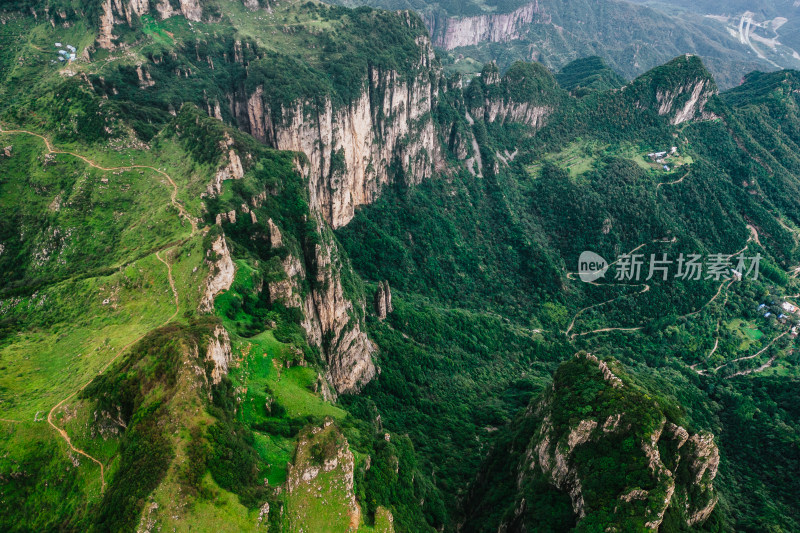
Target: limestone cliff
(221, 271)
(218, 353)
(117, 12)
(329, 316)
(306, 270)
(527, 94)
(695, 96)
(383, 300)
(678, 90)
(452, 32)
(595, 414)
(665, 451)
(353, 147)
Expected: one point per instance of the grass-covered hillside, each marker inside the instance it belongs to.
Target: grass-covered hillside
(187, 344)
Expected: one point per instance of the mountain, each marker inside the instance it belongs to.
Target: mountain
(654, 472)
(589, 74)
(274, 266)
(632, 36)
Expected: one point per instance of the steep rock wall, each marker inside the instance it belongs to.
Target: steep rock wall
(679, 468)
(452, 32)
(329, 316)
(355, 149)
(116, 12)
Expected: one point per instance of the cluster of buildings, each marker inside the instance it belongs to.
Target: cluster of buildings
(661, 157)
(782, 316)
(68, 53)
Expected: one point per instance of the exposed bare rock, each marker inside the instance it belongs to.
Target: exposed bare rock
(580, 434)
(350, 148)
(220, 275)
(322, 452)
(453, 32)
(145, 80)
(231, 170)
(679, 467)
(275, 238)
(698, 91)
(608, 375)
(328, 315)
(116, 12)
(219, 352)
(348, 352)
(383, 300)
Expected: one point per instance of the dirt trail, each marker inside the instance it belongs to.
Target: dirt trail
(762, 350)
(570, 275)
(184, 214)
(122, 350)
(754, 370)
(676, 181)
(753, 237)
(173, 197)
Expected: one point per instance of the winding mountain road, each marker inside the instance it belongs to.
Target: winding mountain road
(183, 213)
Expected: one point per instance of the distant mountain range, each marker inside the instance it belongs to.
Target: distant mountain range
(733, 38)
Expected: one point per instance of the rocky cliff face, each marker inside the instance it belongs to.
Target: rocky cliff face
(666, 451)
(219, 353)
(596, 414)
(452, 32)
(678, 90)
(329, 316)
(527, 94)
(692, 96)
(221, 271)
(383, 300)
(116, 12)
(353, 147)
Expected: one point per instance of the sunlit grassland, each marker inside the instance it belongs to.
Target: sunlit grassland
(583, 155)
(70, 334)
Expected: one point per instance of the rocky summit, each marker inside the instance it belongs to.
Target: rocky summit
(399, 267)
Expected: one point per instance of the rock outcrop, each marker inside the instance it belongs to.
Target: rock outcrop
(695, 96)
(596, 414)
(352, 147)
(678, 90)
(232, 169)
(329, 316)
(221, 271)
(452, 32)
(383, 300)
(218, 352)
(527, 94)
(116, 12)
(323, 467)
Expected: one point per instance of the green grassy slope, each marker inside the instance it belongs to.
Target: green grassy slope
(484, 306)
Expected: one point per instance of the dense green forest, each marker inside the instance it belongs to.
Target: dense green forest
(133, 180)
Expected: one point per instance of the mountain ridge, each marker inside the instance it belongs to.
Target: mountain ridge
(483, 196)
